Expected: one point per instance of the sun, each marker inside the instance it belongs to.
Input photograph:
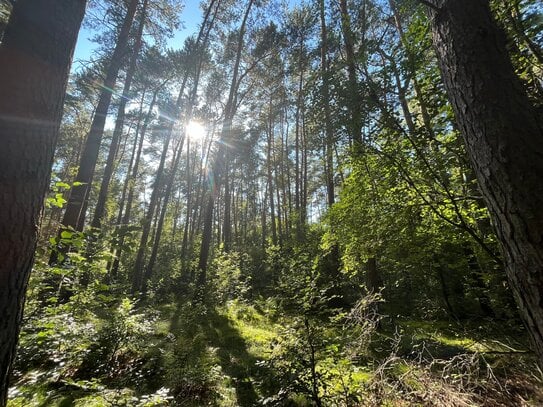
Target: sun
(195, 131)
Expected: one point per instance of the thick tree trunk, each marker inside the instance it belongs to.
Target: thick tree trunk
(503, 135)
(35, 58)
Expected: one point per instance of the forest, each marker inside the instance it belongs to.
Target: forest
(271, 203)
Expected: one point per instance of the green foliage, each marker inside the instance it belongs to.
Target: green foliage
(122, 337)
(230, 276)
(58, 190)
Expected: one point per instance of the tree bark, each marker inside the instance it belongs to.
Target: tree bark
(125, 209)
(35, 58)
(325, 91)
(503, 135)
(219, 165)
(138, 273)
(76, 207)
(354, 99)
(119, 123)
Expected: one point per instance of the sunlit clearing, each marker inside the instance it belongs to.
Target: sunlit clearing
(195, 131)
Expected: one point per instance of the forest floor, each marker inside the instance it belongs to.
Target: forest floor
(241, 355)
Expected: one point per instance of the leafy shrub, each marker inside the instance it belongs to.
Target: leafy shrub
(230, 276)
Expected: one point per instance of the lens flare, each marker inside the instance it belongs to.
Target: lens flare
(195, 131)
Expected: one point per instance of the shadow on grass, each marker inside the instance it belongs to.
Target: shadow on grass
(232, 352)
(234, 358)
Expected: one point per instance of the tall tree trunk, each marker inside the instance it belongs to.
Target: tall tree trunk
(77, 203)
(227, 222)
(75, 212)
(503, 134)
(285, 179)
(190, 176)
(277, 191)
(125, 208)
(303, 198)
(138, 272)
(162, 217)
(269, 161)
(201, 44)
(297, 145)
(263, 218)
(119, 123)
(35, 58)
(219, 164)
(203, 179)
(426, 120)
(329, 135)
(355, 104)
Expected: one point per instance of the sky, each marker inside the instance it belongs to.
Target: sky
(191, 17)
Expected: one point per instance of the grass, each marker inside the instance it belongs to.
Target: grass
(205, 356)
(445, 339)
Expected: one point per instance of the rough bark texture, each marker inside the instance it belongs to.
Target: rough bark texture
(504, 138)
(35, 59)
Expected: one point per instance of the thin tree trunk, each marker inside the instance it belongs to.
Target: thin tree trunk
(219, 165)
(329, 135)
(138, 272)
(263, 219)
(119, 123)
(77, 203)
(355, 104)
(277, 192)
(270, 187)
(179, 148)
(297, 171)
(123, 219)
(303, 201)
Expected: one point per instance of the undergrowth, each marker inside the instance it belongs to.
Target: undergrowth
(191, 354)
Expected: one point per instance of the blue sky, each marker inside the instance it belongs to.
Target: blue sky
(191, 17)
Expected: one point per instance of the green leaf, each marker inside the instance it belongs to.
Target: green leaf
(61, 184)
(66, 234)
